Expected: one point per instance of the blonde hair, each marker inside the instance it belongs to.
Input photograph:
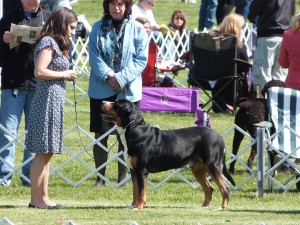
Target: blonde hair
(232, 24)
(296, 22)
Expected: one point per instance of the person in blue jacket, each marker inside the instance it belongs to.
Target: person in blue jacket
(118, 53)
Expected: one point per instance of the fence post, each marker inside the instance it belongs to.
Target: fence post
(260, 161)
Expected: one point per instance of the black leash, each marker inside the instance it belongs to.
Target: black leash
(76, 121)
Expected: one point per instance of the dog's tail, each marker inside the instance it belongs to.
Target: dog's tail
(226, 173)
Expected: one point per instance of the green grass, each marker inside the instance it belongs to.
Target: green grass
(162, 11)
(173, 203)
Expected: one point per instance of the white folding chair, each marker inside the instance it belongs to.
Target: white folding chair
(284, 144)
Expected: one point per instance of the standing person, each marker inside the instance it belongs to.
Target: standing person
(207, 14)
(45, 130)
(289, 56)
(18, 84)
(223, 9)
(143, 9)
(274, 17)
(118, 51)
(242, 7)
(53, 4)
(9, 5)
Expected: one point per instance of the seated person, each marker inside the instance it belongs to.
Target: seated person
(143, 9)
(149, 73)
(177, 24)
(232, 24)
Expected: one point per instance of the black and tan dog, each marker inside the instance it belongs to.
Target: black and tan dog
(149, 150)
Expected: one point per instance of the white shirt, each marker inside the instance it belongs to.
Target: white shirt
(139, 12)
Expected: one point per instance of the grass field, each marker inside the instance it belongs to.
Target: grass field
(174, 203)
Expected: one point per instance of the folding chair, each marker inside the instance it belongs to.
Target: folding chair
(149, 73)
(284, 144)
(214, 69)
(154, 66)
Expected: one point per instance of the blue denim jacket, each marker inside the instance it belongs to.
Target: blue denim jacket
(133, 62)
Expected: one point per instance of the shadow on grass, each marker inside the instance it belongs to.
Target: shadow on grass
(8, 206)
(266, 211)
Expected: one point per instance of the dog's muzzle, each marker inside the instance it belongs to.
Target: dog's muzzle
(108, 117)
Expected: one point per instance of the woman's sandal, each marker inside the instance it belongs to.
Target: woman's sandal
(57, 206)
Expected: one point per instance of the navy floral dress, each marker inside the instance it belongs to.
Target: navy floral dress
(45, 130)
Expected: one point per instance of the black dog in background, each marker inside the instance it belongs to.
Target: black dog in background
(251, 111)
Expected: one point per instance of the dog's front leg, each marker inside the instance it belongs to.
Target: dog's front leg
(135, 189)
(142, 188)
(142, 185)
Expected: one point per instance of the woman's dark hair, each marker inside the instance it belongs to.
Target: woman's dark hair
(57, 26)
(178, 13)
(128, 5)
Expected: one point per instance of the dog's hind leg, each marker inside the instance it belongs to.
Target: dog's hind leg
(237, 139)
(200, 172)
(217, 176)
(252, 155)
(253, 152)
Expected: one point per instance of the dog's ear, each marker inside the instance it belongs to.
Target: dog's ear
(123, 108)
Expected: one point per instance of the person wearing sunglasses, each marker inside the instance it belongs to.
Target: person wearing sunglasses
(177, 24)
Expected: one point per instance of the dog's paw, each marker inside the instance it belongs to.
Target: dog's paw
(133, 207)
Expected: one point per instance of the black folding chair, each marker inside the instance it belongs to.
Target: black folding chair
(214, 69)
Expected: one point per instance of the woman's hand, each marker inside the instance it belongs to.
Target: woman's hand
(114, 83)
(70, 75)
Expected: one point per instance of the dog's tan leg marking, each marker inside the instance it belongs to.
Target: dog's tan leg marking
(135, 191)
(219, 179)
(200, 173)
(142, 194)
(133, 161)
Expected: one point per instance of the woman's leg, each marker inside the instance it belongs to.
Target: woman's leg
(39, 176)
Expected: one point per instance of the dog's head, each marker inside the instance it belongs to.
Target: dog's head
(272, 83)
(121, 112)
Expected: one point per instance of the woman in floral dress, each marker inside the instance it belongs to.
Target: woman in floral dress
(45, 131)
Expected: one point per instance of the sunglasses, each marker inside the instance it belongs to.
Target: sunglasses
(179, 18)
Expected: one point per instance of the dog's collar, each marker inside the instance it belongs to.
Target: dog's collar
(124, 129)
(129, 124)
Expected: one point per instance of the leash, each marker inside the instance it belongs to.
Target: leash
(76, 119)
